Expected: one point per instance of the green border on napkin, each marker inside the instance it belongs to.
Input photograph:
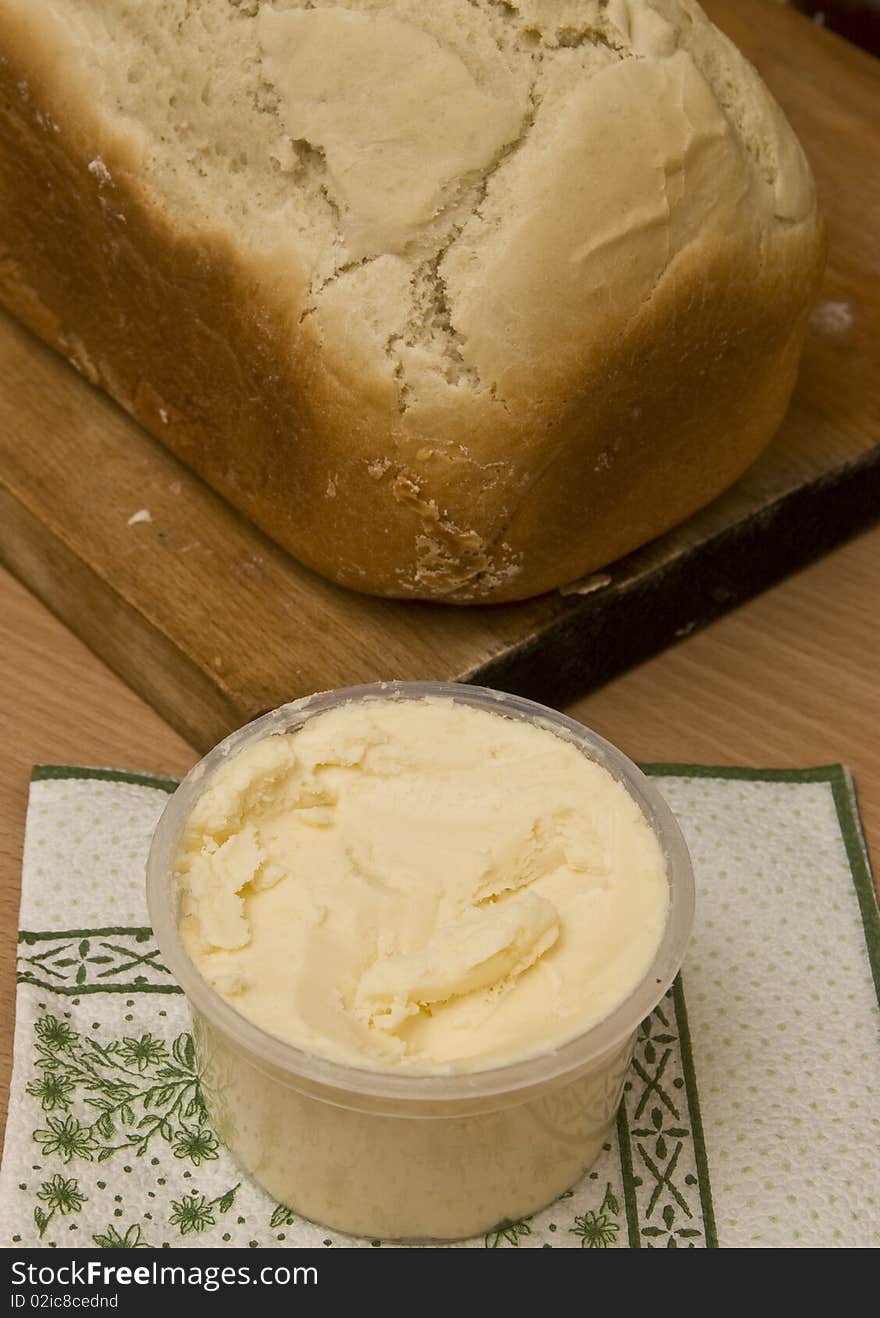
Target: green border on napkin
(844, 792)
(124, 960)
(41, 772)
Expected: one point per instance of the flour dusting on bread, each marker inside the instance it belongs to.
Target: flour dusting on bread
(480, 294)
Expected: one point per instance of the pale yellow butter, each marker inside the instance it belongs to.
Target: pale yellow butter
(420, 885)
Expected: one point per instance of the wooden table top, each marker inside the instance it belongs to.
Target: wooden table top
(787, 680)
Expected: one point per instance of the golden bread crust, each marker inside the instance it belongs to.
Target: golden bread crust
(607, 382)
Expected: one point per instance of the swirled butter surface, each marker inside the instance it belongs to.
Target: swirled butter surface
(422, 885)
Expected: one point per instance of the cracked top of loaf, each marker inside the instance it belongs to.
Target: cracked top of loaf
(496, 229)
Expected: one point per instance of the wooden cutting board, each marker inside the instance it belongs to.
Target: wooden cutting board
(212, 623)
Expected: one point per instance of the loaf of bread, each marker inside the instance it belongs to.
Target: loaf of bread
(456, 300)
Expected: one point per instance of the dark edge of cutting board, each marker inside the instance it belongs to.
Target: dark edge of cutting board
(583, 643)
(617, 628)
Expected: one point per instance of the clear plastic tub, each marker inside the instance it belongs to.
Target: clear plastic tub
(417, 1157)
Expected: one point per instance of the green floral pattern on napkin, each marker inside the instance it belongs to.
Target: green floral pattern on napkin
(109, 1142)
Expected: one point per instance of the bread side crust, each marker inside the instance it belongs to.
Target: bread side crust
(206, 345)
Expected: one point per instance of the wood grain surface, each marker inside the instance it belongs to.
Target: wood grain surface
(211, 623)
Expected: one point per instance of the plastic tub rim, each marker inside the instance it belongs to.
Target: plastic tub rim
(295, 1066)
